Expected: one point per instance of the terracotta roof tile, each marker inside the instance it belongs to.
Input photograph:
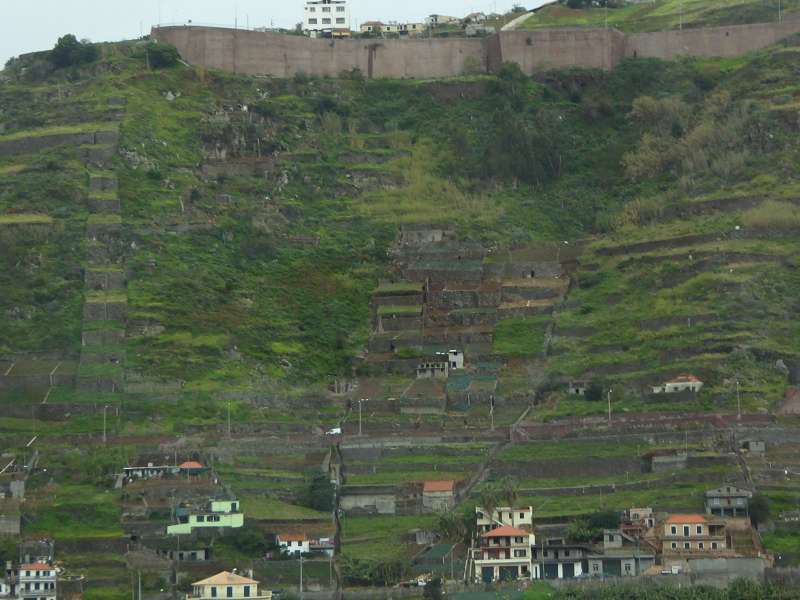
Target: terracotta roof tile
(686, 519)
(439, 486)
(506, 531)
(226, 578)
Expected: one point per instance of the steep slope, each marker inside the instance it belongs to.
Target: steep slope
(658, 15)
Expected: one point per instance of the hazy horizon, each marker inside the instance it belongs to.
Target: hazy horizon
(23, 28)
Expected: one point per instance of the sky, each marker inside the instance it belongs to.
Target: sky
(30, 25)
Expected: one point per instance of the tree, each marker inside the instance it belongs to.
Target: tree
(433, 590)
(69, 52)
(161, 56)
(606, 519)
(580, 531)
(489, 499)
(319, 492)
(507, 489)
(760, 510)
(594, 393)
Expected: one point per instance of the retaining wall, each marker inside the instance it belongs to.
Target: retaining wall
(279, 55)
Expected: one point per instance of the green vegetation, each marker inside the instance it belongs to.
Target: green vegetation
(520, 336)
(69, 52)
(654, 16)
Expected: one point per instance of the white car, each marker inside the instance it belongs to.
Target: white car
(334, 431)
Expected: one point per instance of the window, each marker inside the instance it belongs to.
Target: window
(518, 540)
(340, 20)
(520, 554)
(627, 567)
(200, 518)
(674, 545)
(685, 531)
(229, 592)
(595, 567)
(566, 553)
(312, 21)
(213, 592)
(326, 21)
(521, 515)
(326, 9)
(247, 591)
(701, 545)
(674, 530)
(713, 545)
(312, 9)
(699, 530)
(234, 506)
(340, 9)
(686, 545)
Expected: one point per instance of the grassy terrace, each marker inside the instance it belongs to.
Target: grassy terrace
(399, 288)
(26, 219)
(660, 14)
(58, 130)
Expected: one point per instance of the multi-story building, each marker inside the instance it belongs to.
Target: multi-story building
(693, 535)
(326, 17)
(504, 546)
(558, 559)
(228, 585)
(521, 518)
(620, 556)
(504, 554)
(728, 501)
(36, 581)
(220, 514)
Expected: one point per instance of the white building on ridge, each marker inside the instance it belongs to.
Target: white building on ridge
(326, 18)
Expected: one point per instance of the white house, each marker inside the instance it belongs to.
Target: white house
(681, 383)
(437, 20)
(293, 544)
(37, 580)
(228, 585)
(321, 16)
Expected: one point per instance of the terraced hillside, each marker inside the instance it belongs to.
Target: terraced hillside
(658, 15)
(202, 265)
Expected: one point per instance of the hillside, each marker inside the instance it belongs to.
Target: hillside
(205, 265)
(660, 14)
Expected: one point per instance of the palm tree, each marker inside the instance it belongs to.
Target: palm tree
(490, 497)
(508, 490)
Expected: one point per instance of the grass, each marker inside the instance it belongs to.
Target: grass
(59, 129)
(26, 219)
(400, 310)
(269, 508)
(657, 15)
(523, 336)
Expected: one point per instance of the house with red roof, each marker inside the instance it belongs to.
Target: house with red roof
(438, 496)
(293, 544)
(504, 553)
(681, 383)
(693, 534)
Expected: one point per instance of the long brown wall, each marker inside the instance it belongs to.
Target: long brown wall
(710, 41)
(279, 55)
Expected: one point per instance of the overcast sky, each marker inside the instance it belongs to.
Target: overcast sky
(28, 25)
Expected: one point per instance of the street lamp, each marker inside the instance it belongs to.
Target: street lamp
(738, 402)
(609, 405)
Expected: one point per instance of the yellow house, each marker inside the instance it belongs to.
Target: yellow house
(220, 514)
(228, 585)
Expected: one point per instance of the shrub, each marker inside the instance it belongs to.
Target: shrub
(772, 214)
(161, 56)
(69, 52)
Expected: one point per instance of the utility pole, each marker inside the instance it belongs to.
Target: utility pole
(301, 576)
(738, 402)
(105, 437)
(229, 418)
(359, 413)
(609, 405)
(140, 585)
